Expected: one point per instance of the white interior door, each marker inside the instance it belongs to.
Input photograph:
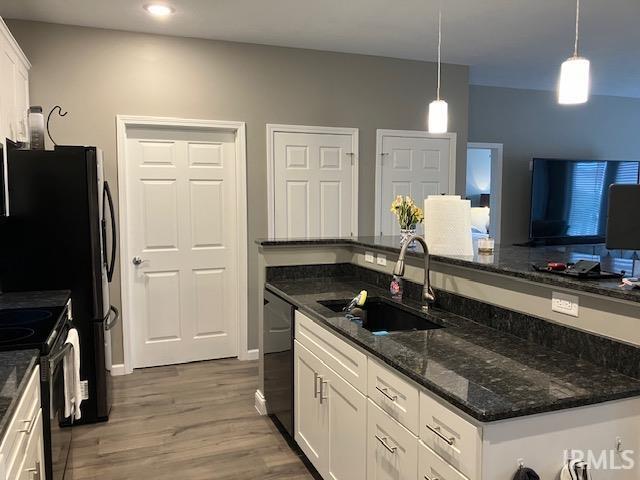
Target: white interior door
(182, 245)
(415, 164)
(314, 184)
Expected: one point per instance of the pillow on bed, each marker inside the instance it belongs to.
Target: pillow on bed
(480, 219)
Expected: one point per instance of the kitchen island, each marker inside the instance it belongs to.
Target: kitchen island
(505, 380)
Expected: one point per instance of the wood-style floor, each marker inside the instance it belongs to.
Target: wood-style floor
(185, 422)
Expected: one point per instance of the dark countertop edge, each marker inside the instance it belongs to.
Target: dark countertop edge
(478, 415)
(528, 275)
(8, 413)
(34, 299)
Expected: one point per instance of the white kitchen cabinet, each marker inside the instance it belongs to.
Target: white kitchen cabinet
(32, 467)
(22, 446)
(451, 444)
(14, 88)
(432, 467)
(311, 418)
(347, 448)
(330, 418)
(392, 450)
(450, 436)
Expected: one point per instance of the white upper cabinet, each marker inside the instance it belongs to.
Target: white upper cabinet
(14, 88)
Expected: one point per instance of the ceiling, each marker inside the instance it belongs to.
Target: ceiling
(513, 43)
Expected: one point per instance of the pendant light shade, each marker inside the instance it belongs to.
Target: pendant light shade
(438, 120)
(438, 116)
(574, 83)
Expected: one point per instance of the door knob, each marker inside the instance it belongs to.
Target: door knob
(137, 260)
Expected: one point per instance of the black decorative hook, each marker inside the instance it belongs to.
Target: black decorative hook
(61, 113)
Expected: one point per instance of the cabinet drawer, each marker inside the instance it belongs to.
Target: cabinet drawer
(450, 436)
(392, 450)
(337, 354)
(22, 425)
(396, 396)
(432, 467)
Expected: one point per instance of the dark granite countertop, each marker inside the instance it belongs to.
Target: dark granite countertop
(15, 371)
(512, 261)
(486, 373)
(37, 299)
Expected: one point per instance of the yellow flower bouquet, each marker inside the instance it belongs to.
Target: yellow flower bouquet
(407, 212)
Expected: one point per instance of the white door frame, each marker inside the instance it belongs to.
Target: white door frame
(122, 123)
(380, 134)
(495, 201)
(272, 129)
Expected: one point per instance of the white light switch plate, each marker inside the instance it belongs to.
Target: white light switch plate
(565, 303)
(382, 260)
(368, 257)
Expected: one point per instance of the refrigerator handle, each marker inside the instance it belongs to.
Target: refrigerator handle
(114, 234)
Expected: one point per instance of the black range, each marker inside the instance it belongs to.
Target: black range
(39, 322)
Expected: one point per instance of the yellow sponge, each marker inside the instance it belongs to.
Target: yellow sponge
(362, 298)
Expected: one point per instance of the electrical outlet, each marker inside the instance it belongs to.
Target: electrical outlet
(565, 303)
(84, 389)
(368, 257)
(382, 260)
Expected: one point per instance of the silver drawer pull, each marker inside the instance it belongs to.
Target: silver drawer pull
(322, 384)
(385, 392)
(383, 441)
(315, 384)
(436, 430)
(426, 477)
(29, 424)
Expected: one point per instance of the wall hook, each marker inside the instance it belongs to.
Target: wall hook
(62, 114)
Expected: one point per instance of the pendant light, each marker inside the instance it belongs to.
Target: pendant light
(438, 109)
(574, 73)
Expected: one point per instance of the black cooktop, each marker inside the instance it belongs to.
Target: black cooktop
(22, 328)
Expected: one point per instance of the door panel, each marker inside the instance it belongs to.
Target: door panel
(181, 192)
(313, 184)
(411, 165)
(347, 411)
(392, 450)
(311, 418)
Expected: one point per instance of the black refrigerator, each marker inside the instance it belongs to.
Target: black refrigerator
(60, 233)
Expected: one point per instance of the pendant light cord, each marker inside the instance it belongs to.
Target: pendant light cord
(575, 48)
(439, 48)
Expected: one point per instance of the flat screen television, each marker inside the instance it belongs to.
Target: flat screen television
(569, 198)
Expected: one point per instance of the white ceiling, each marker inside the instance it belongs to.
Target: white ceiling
(515, 43)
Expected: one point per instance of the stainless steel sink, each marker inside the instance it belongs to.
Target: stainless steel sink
(381, 315)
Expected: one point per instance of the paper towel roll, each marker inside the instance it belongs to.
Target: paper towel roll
(447, 225)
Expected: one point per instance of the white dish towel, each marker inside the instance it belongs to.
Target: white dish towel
(71, 365)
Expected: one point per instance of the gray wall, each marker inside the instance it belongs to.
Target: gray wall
(530, 123)
(97, 74)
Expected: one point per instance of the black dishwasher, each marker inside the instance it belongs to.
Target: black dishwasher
(278, 359)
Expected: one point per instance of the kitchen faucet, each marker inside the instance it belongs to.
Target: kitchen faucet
(428, 296)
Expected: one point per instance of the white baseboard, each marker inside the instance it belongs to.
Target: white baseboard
(253, 354)
(261, 403)
(117, 370)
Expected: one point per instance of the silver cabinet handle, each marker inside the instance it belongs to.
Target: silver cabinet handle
(426, 477)
(322, 384)
(315, 384)
(29, 424)
(34, 473)
(385, 392)
(137, 260)
(436, 430)
(383, 441)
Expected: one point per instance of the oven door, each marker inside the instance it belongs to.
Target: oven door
(60, 436)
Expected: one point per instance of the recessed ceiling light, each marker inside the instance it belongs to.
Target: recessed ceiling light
(159, 9)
